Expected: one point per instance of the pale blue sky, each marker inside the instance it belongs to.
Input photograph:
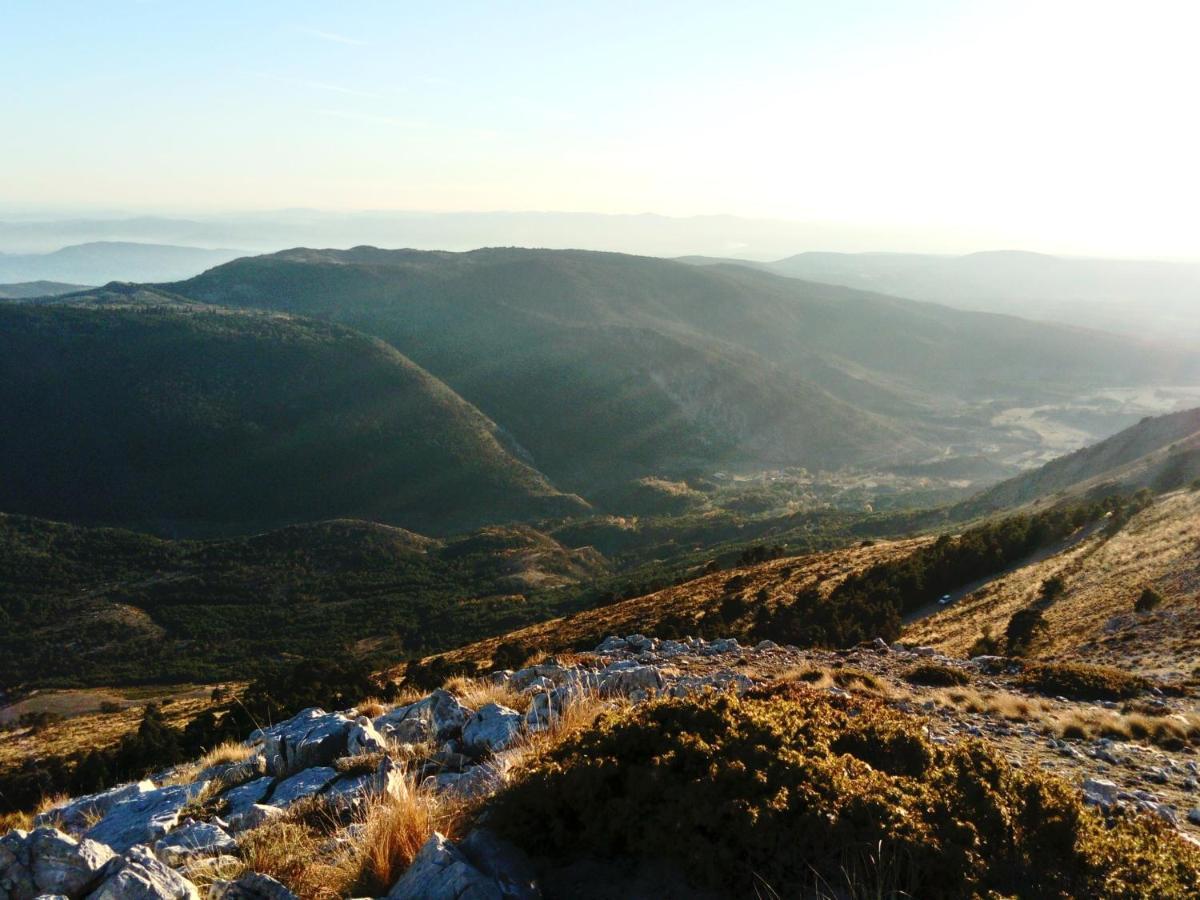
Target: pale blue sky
(1049, 124)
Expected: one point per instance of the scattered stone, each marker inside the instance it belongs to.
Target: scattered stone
(1193, 816)
(45, 861)
(257, 814)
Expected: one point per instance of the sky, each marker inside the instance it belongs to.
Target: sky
(1057, 126)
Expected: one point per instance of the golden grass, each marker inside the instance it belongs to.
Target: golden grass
(1000, 704)
(11, 820)
(1095, 621)
(395, 827)
(372, 708)
(476, 692)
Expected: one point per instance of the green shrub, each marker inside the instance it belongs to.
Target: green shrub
(1080, 681)
(784, 792)
(1022, 628)
(934, 674)
(1149, 599)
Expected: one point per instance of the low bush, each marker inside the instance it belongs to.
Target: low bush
(784, 792)
(1148, 600)
(934, 674)
(1081, 681)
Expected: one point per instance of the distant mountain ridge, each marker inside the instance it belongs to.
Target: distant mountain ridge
(129, 406)
(1147, 298)
(100, 262)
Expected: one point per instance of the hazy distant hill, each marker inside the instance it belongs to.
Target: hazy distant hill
(1148, 298)
(103, 261)
(1162, 453)
(26, 289)
(604, 365)
(120, 409)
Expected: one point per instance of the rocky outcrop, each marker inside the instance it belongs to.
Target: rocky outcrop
(46, 861)
(144, 817)
(310, 738)
(139, 875)
(438, 717)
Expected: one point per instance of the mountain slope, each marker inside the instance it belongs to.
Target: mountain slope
(1094, 619)
(1161, 452)
(102, 261)
(131, 407)
(89, 606)
(591, 358)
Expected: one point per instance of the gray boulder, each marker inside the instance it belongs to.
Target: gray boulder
(310, 738)
(75, 815)
(241, 798)
(194, 839)
(441, 714)
(45, 862)
(143, 818)
(441, 871)
(138, 875)
(491, 729)
(300, 785)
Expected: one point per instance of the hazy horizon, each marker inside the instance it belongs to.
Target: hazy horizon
(931, 127)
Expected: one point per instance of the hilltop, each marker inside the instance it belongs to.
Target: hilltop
(130, 407)
(608, 368)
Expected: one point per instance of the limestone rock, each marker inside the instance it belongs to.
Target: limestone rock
(302, 784)
(310, 738)
(194, 839)
(138, 875)
(441, 871)
(143, 818)
(75, 815)
(491, 729)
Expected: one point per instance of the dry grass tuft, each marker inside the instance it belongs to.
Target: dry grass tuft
(476, 692)
(363, 764)
(394, 830)
(372, 708)
(11, 820)
(51, 801)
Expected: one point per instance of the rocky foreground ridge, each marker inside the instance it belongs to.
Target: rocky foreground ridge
(180, 833)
